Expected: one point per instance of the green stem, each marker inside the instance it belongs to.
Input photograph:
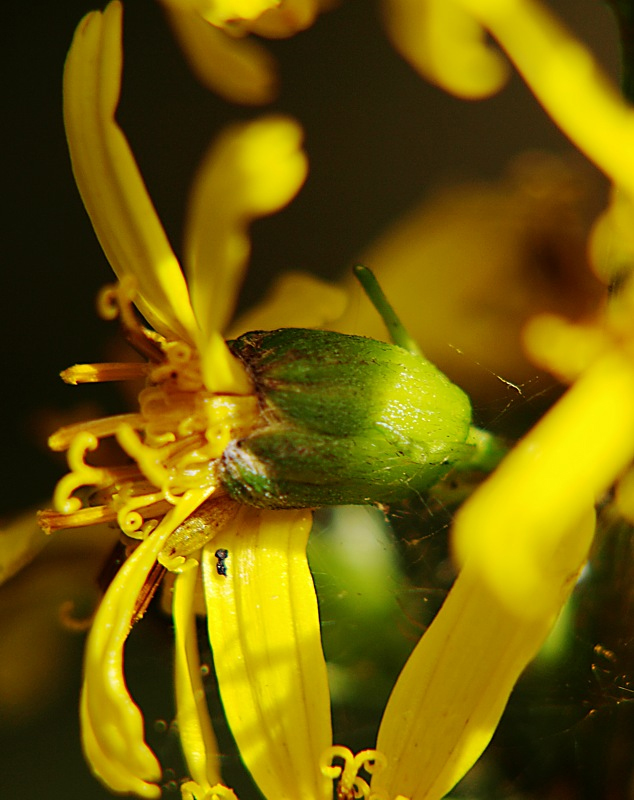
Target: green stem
(489, 451)
(376, 296)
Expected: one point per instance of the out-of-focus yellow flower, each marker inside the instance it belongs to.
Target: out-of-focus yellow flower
(214, 36)
(561, 72)
(483, 258)
(197, 397)
(523, 536)
(40, 607)
(20, 541)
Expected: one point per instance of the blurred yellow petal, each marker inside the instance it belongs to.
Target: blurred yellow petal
(290, 17)
(30, 625)
(612, 241)
(265, 636)
(485, 257)
(447, 45)
(565, 349)
(109, 180)
(566, 79)
(271, 18)
(222, 12)
(112, 725)
(442, 36)
(21, 539)
(450, 696)
(40, 610)
(250, 171)
(240, 70)
(518, 526)
(296, 300)
(192, 715)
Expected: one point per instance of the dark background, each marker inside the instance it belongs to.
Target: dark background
(378, 138)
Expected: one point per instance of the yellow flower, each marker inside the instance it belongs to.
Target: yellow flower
(197, 397)
(524, 535)
(214, 37)
(521, 539)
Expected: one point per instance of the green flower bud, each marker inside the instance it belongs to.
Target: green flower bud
(345, 419)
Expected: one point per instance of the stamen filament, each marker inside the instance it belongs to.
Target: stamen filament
(148, 458)
(100, 428)
(102, 373)
(51, 521)
(116, 301)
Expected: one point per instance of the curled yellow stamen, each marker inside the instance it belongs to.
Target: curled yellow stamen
(81, 474)
(69, 621)
(350, 785)
(148, 458)
(128, 516)
(115, 300)
(100, 428)
(177, 352)
(107, 302)
(193, 791)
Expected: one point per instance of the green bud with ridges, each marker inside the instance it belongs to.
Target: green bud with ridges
(345, 419)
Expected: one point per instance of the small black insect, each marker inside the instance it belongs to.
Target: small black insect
(221, 567)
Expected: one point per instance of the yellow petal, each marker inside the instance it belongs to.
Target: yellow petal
(566, 79)
(518, 524)
(251, 170)
(240, 70)
(112, 725)
(272, 18)
(296, 300)
(287, 19)
(194, 726)
(38, 606)
(564, 348)
(452, 691)
(446, 45)
(265, 636)
(226, 12)
(20, 541)
(109, 180)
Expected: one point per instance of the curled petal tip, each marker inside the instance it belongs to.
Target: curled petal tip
(446, 44)
(273, 159)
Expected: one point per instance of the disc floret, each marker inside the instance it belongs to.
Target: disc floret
(173, 443)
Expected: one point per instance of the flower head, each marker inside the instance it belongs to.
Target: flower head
(197, 397)
(520, 540)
